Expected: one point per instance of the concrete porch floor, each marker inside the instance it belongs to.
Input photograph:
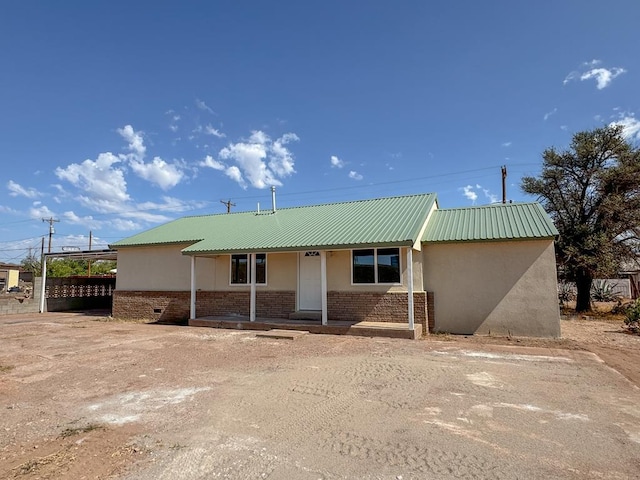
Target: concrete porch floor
(363, 329)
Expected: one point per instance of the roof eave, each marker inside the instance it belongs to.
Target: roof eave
(299, 248)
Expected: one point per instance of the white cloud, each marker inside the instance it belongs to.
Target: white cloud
(506, 144)
(203, 106)
(209, 130)
(469, 193)
(10, 210)
(259, 160)
(492, 197)
(86, 221)
(16, 189)
(602, 76)
(211, 162)
(125, 225)
(136, 143)
(355, 175)
(548, 114)
(38, 211)
(630, 126)
(159, 172)
(173, 128)
(101, 179)
(336, 162)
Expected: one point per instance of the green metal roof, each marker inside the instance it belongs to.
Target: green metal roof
(382, 221)
(510, 221)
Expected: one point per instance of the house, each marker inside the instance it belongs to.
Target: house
(9, 276)
(401, 260)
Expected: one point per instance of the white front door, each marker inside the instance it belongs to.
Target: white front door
(309, 281)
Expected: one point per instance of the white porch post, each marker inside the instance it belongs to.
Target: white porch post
(44, 283)
(192, 302)
(323, 285)
(252, 301)
(410, 285)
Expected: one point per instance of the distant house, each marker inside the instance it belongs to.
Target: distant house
(402, 260)
(9, 276)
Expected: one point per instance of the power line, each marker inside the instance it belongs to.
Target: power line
(205, 203)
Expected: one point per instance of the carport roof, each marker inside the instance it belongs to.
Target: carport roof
(391, 221)
(509, 221)
(106, 254)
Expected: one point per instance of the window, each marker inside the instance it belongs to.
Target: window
(376, 265)
(241, 269)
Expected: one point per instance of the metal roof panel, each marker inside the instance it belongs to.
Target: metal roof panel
(510, 221)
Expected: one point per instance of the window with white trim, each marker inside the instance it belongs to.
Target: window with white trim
(241, 269)
(375, 265)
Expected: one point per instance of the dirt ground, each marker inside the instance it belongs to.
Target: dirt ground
(81, 397)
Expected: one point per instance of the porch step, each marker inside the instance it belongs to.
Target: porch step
(306, 315)
(282, 334)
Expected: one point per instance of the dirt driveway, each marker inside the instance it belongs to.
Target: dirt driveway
(83, 398)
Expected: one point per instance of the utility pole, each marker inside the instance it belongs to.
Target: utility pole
(504, 183)
(228, 204)
(51, 221)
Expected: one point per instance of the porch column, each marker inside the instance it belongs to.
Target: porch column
(410, 285)
(44, 283)
(252, 301)
(323, 284)
(192, 301)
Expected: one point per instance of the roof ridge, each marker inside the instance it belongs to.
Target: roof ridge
(267, 210)
(491, 205)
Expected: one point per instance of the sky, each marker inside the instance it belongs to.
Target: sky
(117, 116)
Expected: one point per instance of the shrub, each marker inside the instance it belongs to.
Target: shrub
(602, 291)
(566, 293)
(632, 320)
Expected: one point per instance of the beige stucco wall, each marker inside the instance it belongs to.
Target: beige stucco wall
(13, 278)
(494, 287)
(167, 269)
(159, 269)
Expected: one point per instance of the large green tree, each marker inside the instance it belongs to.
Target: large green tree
(592, 192)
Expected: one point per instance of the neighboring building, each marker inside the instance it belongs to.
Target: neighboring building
(9, 276)
(471, 270)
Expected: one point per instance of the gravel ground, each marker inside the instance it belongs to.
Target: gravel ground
(84, 398)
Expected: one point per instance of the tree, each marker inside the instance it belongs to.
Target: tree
(592, 192)
(31, 263)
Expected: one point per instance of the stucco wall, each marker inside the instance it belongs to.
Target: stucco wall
(493, 287)
(167, 269)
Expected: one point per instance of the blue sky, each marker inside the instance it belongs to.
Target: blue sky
(117, 116)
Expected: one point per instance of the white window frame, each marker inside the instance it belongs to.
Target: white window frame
(375, 265)
(266, 263)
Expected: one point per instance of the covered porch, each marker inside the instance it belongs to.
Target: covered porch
(314, 304)
(332, 327)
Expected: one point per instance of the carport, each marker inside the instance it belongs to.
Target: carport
(75, 292)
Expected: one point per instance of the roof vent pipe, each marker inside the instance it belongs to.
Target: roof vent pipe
(273, 199)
